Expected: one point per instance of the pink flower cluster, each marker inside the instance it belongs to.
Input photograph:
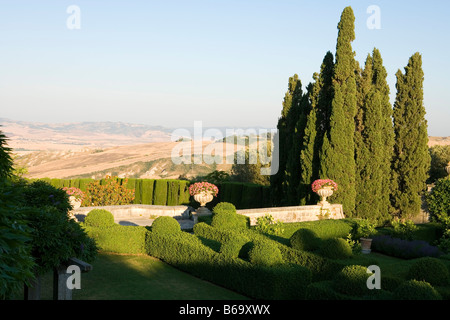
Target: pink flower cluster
(320, 183)
(200, 187)
(74, 192)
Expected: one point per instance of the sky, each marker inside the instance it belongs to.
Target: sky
(225, 63)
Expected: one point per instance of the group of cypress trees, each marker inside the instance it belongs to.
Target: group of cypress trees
(344, 128)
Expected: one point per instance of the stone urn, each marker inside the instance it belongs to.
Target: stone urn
(366, 244)
(324, 193)
(203, 198)
(76, 203)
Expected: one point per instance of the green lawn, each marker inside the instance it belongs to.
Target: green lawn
(139, 277)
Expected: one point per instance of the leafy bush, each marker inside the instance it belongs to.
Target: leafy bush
(224, 207)
(363, 228)
(440, 156)
(404, 249)
(108, 193)
(403, 229)
(429, 269)
(16, 262)
(352, 280)
(325, 229)
(40, 194)
(323, 290)
(416, 290)
(305, 239)
(265, 253)
(166, 225)
(267, 224)
(56, 238)
(438, 200)
(99, 218)
(335, 248)
(229, 220)
(233, 246)
(119, 239)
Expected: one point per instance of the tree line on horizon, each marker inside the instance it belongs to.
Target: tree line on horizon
(343, 127)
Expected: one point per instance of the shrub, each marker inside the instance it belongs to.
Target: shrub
(108, 193)
(403, 229)
(363, 228)
(323, 290)
(233, 246)
(228, 220)
(416, 290)
(429, 269)
(166, 225)
(40, 194)
(352, 280)
(305, 239)
(119, 239)
(265, 253)
(99, 218)
(404, 248)
(267, 224)
(224, 207)
(325, 229)
(335, 248)
(438, 200)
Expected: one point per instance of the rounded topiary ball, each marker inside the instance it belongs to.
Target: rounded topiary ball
(224, 207)
(352, 280)
(165, 225)
(304, 239)
(416, 290)
(228, 220)
(429, 269)
(335, 248)
(99, 218)
(265, 253)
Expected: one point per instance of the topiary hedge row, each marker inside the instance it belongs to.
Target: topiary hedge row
(173, 192)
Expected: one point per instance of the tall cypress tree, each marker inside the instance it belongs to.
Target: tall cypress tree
(379, 82)
(319, 97)
(368, 147)
(278, 181)
(338, 150)
(411, 158)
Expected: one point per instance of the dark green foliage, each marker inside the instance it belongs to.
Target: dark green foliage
(234, 246)
(429, 269)
(335, 248)
(99, 218)
(323, 290)
(411, 157)
(160, 193)
(138, 191)
(338, 150)
(119, 239)
(6, 162)
(305, 239)
(165, 225)
(265, 253)
(147, 191)
(440, 157)
(438, 201)
(325, 229)
(173, 192)
(352, 280)
(56, 238)
(40, 194)
(16, 262)
(416, 290)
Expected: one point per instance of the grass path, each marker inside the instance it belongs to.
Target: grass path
(140, 277)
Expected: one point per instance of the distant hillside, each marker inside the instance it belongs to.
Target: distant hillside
(32, 136)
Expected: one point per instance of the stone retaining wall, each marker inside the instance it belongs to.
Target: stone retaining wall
(295, 214)
(138, 211)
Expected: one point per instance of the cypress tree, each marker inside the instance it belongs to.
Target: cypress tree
(369, 147)
(319, 98)
(411, 158)
(338, 149)
(379, 81)
(285, 129)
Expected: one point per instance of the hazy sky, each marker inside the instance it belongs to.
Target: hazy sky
(225, 63)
